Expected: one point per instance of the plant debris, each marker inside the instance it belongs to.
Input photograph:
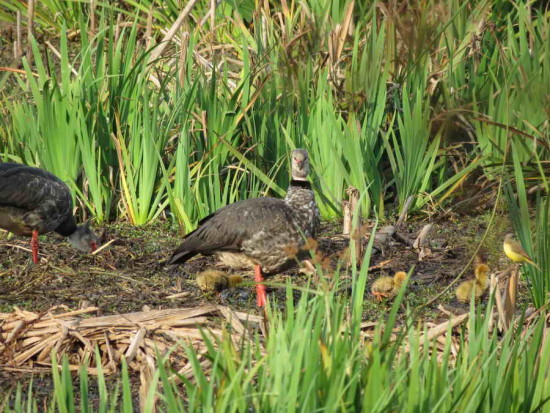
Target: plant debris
(28, 340)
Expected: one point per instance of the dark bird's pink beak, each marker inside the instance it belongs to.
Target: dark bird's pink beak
(93, 245)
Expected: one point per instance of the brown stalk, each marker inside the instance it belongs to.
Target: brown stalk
(30, 29)
(92, 16)
(510, 297)
(149, 29)
(18, 47)
(173, 30)
(346, 208)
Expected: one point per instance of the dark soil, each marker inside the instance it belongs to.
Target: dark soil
(130, 274)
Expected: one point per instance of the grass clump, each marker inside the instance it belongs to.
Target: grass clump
(384, 98)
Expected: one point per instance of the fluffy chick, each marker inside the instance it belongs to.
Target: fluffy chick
(212, 280)
(479, 284)
(388, 287)
(481, 272)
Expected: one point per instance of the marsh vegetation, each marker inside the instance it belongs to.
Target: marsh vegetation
(157, 113)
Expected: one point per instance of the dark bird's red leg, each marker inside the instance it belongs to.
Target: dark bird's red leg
(261, 297)
(34, 246)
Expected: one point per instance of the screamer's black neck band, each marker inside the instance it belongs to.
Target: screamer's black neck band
(300, 184)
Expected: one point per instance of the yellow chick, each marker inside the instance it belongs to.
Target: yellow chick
(481, 272)
(479, 285)
(212, 280)
(515, 251)
(388, 287)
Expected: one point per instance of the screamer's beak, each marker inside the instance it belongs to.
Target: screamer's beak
(94, 246)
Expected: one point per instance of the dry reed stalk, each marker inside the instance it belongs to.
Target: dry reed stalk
(440, 329)
(29, 339)
(500, 308)
(146, 375)
(493, 290)
(353, 195)
(346, 208)
(30, 29)
(92, 17)
(178, 295)
(510, 297)
(421, 243)
(422, 238)
(354, 213)
(173, 30)
(149, 29)
(403, 216)
(212, 12)
(18, 46)
(208, 15)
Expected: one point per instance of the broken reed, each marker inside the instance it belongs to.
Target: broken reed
(29, 340)
(377, 102)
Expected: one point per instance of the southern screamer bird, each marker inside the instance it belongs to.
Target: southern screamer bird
(258, 232)
(34, 201)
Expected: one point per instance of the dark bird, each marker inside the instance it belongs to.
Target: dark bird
(34, 201)
(258, 232)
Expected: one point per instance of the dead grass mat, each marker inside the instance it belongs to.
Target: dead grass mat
(28, 339)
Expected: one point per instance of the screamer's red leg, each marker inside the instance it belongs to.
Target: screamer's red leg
(261, 297)
(34, 246)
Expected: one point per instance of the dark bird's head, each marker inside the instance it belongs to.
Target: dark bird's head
(300, 164)
(84, 239)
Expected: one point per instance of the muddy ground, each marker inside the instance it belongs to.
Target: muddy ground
(130, 274)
